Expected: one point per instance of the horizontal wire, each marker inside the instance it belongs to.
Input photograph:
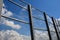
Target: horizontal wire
(15, 19)
(17, 4)
(32, 6)
(42, 29)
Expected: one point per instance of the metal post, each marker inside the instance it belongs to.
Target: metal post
(58, 26)
(30, 21)
(55, 28)
(47, 26)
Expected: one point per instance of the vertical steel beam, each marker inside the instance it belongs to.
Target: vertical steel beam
(55, 28)
(30, 21)
(47, 26)
(57, 25)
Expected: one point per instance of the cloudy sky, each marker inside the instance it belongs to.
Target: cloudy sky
(13, 30)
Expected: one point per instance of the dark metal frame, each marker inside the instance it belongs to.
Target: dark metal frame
(31, 22)
(47, 26)
(55, 28)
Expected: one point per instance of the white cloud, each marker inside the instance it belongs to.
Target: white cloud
(51, 27)
(58, 18)
(40, 35)
(7, 13)
(11, 24)
(12, 35)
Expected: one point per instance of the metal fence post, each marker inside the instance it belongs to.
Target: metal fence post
(58, 26)
(30, 21)
(47, 26)
(55, 28)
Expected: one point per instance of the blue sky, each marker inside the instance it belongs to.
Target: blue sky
(51, 7)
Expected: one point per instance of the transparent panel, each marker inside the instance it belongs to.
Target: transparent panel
(41, 35)
(37, 14)
(49, 19)
(51, 27)
(10, 26)
(39, 23)
(57, 23)
(20, 2)
(52, 32)
(12, 10)
(38, 19)
(53, 35)
(13, 30)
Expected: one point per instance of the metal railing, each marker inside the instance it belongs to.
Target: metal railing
(32, 28)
